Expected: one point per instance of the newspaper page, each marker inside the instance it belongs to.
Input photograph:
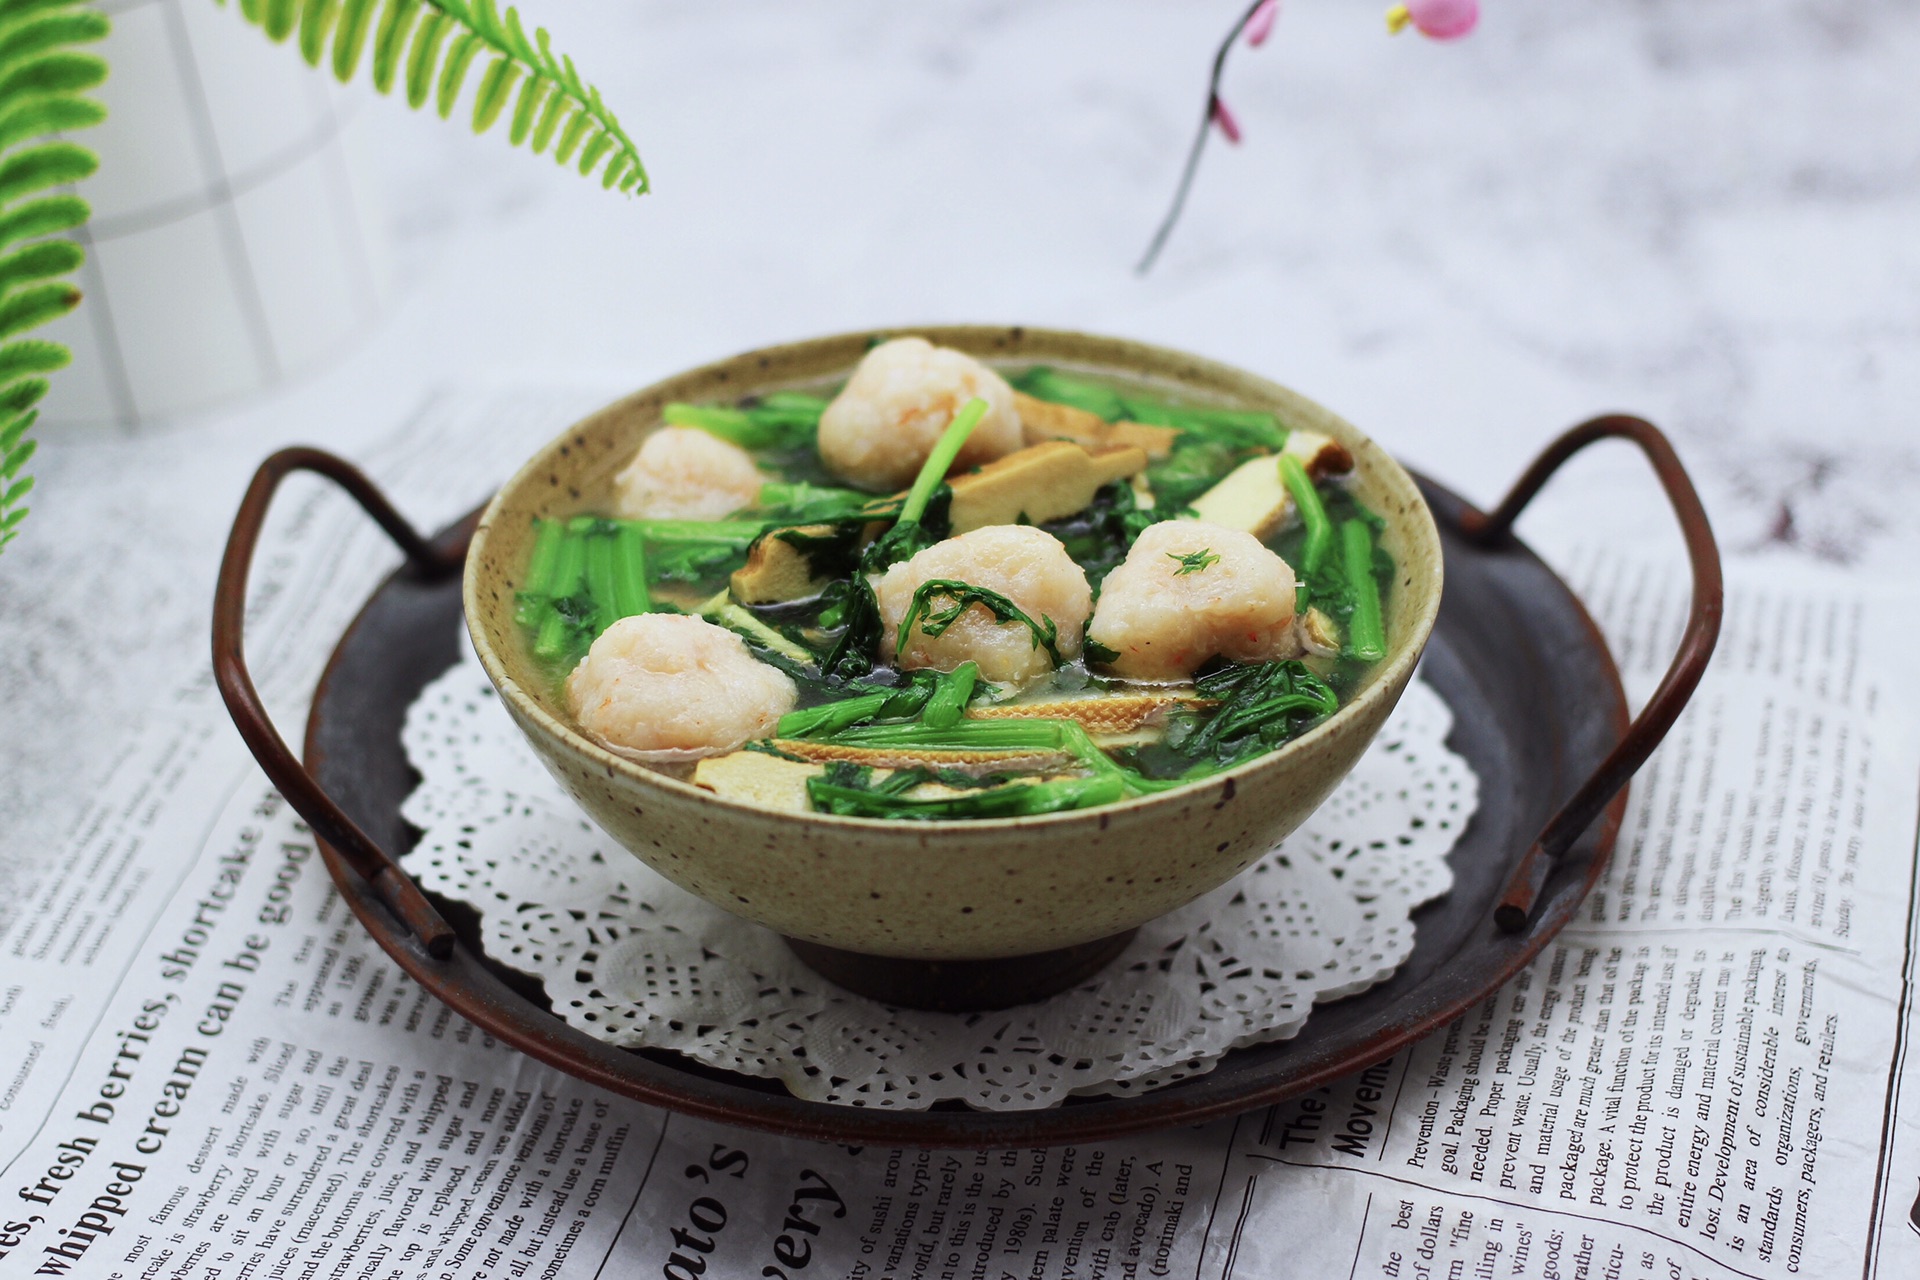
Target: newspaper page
(207, 1069)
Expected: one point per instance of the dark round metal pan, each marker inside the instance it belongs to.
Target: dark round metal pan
(1539, 713)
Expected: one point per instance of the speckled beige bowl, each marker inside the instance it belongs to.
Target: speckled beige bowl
(941, 890)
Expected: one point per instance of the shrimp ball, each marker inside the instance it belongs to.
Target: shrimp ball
(1189, 591)
(878, 431)
(682, 473)
(664, 686)
(1022, 563)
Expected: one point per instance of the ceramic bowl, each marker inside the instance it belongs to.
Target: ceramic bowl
(941, 891)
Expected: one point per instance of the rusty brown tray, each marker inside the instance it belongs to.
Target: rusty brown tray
(1538, 712)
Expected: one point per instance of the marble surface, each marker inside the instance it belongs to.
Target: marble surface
(1704, 212)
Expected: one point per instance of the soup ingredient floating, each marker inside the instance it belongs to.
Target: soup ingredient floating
(662, 688)
(1045, 592)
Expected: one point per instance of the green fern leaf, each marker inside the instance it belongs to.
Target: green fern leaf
(50, 164)
(37, 117)
(598, 145)
(41, 217)
(23, 395)
(16, 13)
(390, 41)
(280, 16)
(316, 24)
(486, 20)
(53, 73)
(53, 32)
(453, 71)
(10, 435)
(517, 40)
(43, 74)
(31, 356)
(571, 136)
(350, 37)
(17, 458)
(533, 93)
(491, 97)
(421, 59)
(440, 41)
(31, 307)
(550, 120)
(39, 262)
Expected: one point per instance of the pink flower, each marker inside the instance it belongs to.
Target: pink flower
(1438, 19)
(1260, 22)
(1224, 118)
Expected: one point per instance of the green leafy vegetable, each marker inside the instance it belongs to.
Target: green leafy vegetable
(802, 503)
(851, 791)
(587, 573)
(734, 533)
(1099, 537)
(803, 406)
(1260, 706)
(692, 563)
(1240, 428)
(1193, 561)
(438, 42)
(933, 623)
(754, 428)
(950, 697)
(1043, 383)
(1193, 467)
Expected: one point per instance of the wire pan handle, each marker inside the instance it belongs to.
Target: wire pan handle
(1491, 529)
(282, 767)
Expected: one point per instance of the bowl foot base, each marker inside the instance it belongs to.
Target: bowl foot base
(961, 986)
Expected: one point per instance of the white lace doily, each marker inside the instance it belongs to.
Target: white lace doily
(631, 958)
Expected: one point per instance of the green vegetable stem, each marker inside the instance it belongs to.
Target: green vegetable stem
(548, 537)
(950, 697)
(934, 470)
(630, 594)
(850, 792)
(1313, 512)
(830, 717)
(1366, 631)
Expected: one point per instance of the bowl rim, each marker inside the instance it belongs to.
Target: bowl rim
(1385, 681)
